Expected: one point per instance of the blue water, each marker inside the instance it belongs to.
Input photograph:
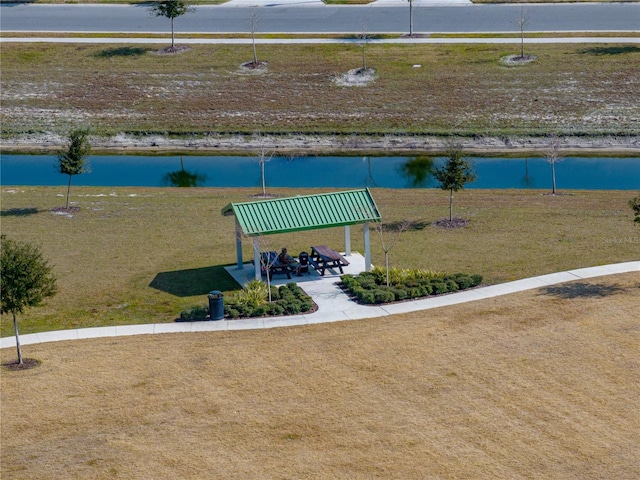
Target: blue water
(573, 173)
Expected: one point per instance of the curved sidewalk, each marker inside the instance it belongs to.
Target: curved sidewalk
(333, 306)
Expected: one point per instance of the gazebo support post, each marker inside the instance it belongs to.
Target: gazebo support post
(347, 240)
(367, 248)
(239, 245)
(256, 259)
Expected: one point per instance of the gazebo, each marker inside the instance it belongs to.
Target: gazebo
(304, 212)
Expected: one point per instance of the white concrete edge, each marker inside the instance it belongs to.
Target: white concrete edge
(356, 313)
(279, 41)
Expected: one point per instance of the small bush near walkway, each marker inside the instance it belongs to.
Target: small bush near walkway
(253, 301)
(371, 287)
(288, 299)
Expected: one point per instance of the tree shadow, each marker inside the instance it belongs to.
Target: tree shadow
(611, 50)
(122, 52)
(194, 281)
(19, 212)
(411, 225)
(582, 290)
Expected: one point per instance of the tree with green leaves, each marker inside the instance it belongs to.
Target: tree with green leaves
(454, 174)
(170, 9)
(634, 203)
(72, 161)
(26, 280)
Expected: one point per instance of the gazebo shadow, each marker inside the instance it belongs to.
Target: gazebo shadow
(194, 281)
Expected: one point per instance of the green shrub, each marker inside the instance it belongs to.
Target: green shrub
(400, 293)
(452, 286)
(275, 293)
(439, 287)
(464, 281)
(383, 296)
(477, 280)
(260, 310)
(276, 309)
(367, 282)
(368, 296)
(232, 313)
(194, 313)
(293, 307)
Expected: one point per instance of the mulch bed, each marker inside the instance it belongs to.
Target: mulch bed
(27, 363)
(455, 223)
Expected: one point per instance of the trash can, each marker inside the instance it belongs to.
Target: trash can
(216, 305)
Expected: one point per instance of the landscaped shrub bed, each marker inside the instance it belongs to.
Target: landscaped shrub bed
(253, 301)
(371, 287)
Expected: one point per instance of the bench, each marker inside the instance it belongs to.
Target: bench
(323, 257)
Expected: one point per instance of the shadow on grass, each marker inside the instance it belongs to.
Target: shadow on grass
(406, 226)
(122, 52)
(195, 281)
(18, 212)
(582, 290)
(611, 50)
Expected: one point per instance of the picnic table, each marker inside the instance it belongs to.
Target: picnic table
(270, 259)
(323, 257)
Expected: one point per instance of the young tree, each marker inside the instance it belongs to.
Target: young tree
(25, 280)
(170, 9)
(364, 37)
(254, 21)
(553, 156)
(72, 161)
(634, 203)
(388, 243)
(454, 174)
(410, 17)
(264, 156)
(522, 21)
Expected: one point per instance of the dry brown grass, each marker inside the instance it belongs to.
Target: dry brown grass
(541, 384)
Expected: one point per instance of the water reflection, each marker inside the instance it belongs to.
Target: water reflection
(325, 172)
(184, 178)
(418, 171)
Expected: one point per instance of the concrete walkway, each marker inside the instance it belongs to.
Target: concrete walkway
(333, 304)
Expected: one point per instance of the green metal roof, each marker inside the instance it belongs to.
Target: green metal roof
(304, 212)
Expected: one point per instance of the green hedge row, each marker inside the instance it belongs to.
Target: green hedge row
(289, 299)
(370, 287)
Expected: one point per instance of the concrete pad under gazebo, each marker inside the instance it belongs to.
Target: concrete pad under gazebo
(304, 212)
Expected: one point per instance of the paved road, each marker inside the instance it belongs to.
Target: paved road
(311, 16)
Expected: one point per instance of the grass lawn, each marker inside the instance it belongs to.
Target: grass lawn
(540, 384)
(141, 255)
(458, 89)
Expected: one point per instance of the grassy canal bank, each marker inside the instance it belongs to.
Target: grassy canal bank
(421, 95)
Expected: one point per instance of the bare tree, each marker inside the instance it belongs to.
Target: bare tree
(410, 17)
(264, 244)
(364, 39)
(522, 22)
(254, 21)
(553, 156)
(264, 155)
(389, 237)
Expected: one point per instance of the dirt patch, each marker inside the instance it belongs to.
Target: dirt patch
(174, 50)
(254, 68)
(27, 364)
(516, 60)
(453, 223)
(358, 77)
